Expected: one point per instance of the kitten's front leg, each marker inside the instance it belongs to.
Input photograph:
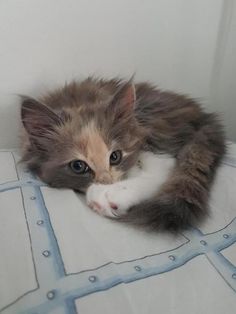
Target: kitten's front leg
(115, 199)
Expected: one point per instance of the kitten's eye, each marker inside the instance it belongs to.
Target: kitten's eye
(79, 166)
(115, 157)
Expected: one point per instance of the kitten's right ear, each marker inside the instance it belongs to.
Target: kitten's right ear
(37, 118)
(125, 97)
(123, 102)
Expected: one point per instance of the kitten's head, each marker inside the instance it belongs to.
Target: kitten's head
(77, 146)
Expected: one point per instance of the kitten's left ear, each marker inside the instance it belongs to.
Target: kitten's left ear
(124, 100)
(37, 118)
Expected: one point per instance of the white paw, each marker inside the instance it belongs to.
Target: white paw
(109, 200)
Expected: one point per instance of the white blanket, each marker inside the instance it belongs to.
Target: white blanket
(57, 256)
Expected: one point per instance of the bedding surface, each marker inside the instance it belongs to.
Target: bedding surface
(57, 256)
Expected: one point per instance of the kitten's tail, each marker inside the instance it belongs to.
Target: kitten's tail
(158, 214)
(183, 200)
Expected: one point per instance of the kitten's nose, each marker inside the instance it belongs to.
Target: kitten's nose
(104, 177)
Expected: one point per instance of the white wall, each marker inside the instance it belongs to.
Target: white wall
(223, 80)
(173, 43)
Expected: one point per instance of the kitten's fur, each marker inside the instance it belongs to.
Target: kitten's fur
(91, 119)
(114, 200)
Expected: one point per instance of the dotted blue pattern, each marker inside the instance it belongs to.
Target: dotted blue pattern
(56, 290)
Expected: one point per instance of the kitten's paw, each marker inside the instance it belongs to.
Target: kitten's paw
(97, 200)
(108, 200)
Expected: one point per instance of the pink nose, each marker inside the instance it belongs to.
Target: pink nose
(104, 178)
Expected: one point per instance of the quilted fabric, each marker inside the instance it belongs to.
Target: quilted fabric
(57, 256)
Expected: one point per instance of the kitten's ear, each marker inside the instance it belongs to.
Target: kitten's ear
(124, 99)
(37, 118)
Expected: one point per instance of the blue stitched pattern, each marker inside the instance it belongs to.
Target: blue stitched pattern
(57, 290)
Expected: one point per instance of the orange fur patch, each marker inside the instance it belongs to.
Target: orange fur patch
(94, 151)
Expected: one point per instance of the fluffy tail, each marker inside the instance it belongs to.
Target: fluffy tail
(183, 199)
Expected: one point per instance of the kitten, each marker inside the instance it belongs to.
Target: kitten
(87, 136)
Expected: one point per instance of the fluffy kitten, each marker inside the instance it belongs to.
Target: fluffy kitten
(95, 131)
